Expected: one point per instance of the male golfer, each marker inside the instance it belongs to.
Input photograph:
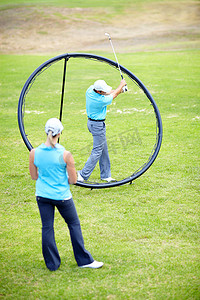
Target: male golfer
(98, 96)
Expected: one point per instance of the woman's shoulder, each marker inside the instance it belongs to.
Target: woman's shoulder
(32, 153)
(41, 146)
(67, 156)
(60, 147)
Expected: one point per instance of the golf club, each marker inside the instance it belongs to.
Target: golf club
(125, 89)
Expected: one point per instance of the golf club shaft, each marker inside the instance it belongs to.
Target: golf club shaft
(124, 89)
(115, 56)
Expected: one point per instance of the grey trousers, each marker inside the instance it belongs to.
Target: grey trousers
(99, 151)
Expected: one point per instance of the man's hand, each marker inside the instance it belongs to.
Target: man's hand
(123, 83)
(118, 90)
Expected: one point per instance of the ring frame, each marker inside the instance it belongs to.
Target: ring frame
(66, 57)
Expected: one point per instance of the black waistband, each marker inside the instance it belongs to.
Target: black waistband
(96, 120)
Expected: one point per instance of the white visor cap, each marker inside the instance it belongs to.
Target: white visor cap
(101, 85)
(53, 125)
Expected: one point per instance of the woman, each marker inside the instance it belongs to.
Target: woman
(53, 168)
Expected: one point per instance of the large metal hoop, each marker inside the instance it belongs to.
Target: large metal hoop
(66, 57)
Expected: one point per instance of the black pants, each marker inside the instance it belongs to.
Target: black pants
(68, 211)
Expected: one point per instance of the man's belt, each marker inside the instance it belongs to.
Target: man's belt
(96, 120)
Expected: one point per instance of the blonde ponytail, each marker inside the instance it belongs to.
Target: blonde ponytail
(50, 137)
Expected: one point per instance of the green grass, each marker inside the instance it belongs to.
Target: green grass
(113, 5)
(147, 233)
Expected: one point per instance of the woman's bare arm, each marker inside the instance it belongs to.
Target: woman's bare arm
(32, 168)
(71, 170)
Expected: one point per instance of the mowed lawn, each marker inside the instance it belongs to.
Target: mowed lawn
(147, 233)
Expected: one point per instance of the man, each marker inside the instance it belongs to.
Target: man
(98, 97)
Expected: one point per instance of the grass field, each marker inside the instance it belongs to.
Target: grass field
(147, 233)
(77, 3)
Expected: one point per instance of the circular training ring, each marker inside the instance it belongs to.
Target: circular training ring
(65, 57)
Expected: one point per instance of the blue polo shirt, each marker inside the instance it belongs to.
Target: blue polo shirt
(96, 104)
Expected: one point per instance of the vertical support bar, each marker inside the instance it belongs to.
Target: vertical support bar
(63, 90)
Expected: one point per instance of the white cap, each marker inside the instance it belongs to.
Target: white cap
(101, 85)
(53, 125)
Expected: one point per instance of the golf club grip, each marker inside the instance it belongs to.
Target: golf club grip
(125, 88)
